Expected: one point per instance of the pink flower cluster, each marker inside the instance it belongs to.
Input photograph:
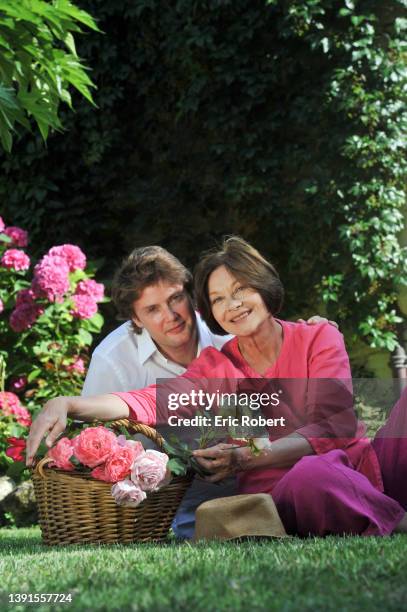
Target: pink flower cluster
(19, 237)
(114, 459)
(87, 294)
(2, 225)
(51, 274)
(15, 259)
(26, 311)
(10, 406)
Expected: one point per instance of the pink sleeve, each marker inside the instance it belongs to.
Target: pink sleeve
(142, 403)
(332, 421)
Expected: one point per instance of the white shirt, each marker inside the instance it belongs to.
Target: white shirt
(125, 360)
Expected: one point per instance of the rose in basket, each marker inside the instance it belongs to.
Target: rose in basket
(112, 458)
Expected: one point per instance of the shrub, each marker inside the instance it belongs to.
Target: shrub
(49, 312)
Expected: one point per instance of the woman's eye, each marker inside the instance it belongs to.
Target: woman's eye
(152, 309)
(216, 300)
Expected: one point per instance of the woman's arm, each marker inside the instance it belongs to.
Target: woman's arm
(223, 460)
(52, 418)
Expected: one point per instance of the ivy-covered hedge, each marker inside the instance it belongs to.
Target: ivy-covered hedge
(278, 120)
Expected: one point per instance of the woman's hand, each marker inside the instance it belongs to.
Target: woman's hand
(222, 460)
(52, 420)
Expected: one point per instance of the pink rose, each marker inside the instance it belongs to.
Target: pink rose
(84, 306)
(18, 236)
(94, 445)
(149, 470)
(51, 278)
(2, 225)
(91, 288)
(74, 257)
(118, 464)
(15, 259)
(127, 494)
(61, 454)
(24, 316)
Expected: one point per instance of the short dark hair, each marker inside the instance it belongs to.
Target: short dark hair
(248, 266)
(145, 266)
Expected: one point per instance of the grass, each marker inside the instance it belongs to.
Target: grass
(284, 575)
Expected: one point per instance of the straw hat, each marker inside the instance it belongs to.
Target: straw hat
(227, 518)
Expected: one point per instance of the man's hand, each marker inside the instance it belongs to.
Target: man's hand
(317, 319)
(221, 460)
(51, 420)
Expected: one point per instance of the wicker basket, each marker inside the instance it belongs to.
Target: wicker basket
(74, 508)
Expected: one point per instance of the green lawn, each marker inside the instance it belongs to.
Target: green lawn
(284, 575)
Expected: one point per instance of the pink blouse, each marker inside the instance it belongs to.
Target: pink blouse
(308, 352)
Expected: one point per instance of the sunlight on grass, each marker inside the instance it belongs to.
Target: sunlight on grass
(323, 574)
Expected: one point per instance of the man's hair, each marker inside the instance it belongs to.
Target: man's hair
(248, 266)
(144, 267)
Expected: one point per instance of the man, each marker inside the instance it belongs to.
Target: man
(162, 333)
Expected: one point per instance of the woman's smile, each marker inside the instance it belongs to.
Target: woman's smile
(241, 316)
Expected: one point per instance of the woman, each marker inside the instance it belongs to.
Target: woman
(323, 478)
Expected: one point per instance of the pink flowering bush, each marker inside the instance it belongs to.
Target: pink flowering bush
(132, 471)
(49, 310)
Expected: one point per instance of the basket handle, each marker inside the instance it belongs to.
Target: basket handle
(134, 428)
(39, 467)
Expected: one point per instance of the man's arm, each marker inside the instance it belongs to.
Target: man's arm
(52, 418)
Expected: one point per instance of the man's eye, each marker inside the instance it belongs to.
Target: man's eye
(178, 297)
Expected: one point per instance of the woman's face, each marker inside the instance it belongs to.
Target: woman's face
(237, 308)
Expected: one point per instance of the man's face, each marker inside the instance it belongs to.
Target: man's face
(166, 312)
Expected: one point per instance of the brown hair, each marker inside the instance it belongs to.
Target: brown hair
(248, 266)
(144, 267)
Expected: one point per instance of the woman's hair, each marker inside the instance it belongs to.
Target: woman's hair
(144, 267)
(248, 266)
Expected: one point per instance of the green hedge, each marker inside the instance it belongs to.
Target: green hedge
(278, 120)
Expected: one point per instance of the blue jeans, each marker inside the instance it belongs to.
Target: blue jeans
(200, 491)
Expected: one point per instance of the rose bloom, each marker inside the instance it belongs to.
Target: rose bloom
(51, 278)
(149, 470)
(91, 288)
(18, 236)
(16, 448)
(128, 494)
(84, 306)
(118, 465)
(94, 445)
(74, 257)
(15, 259)
(61, 454)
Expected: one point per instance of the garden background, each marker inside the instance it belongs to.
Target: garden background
(279, 120)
